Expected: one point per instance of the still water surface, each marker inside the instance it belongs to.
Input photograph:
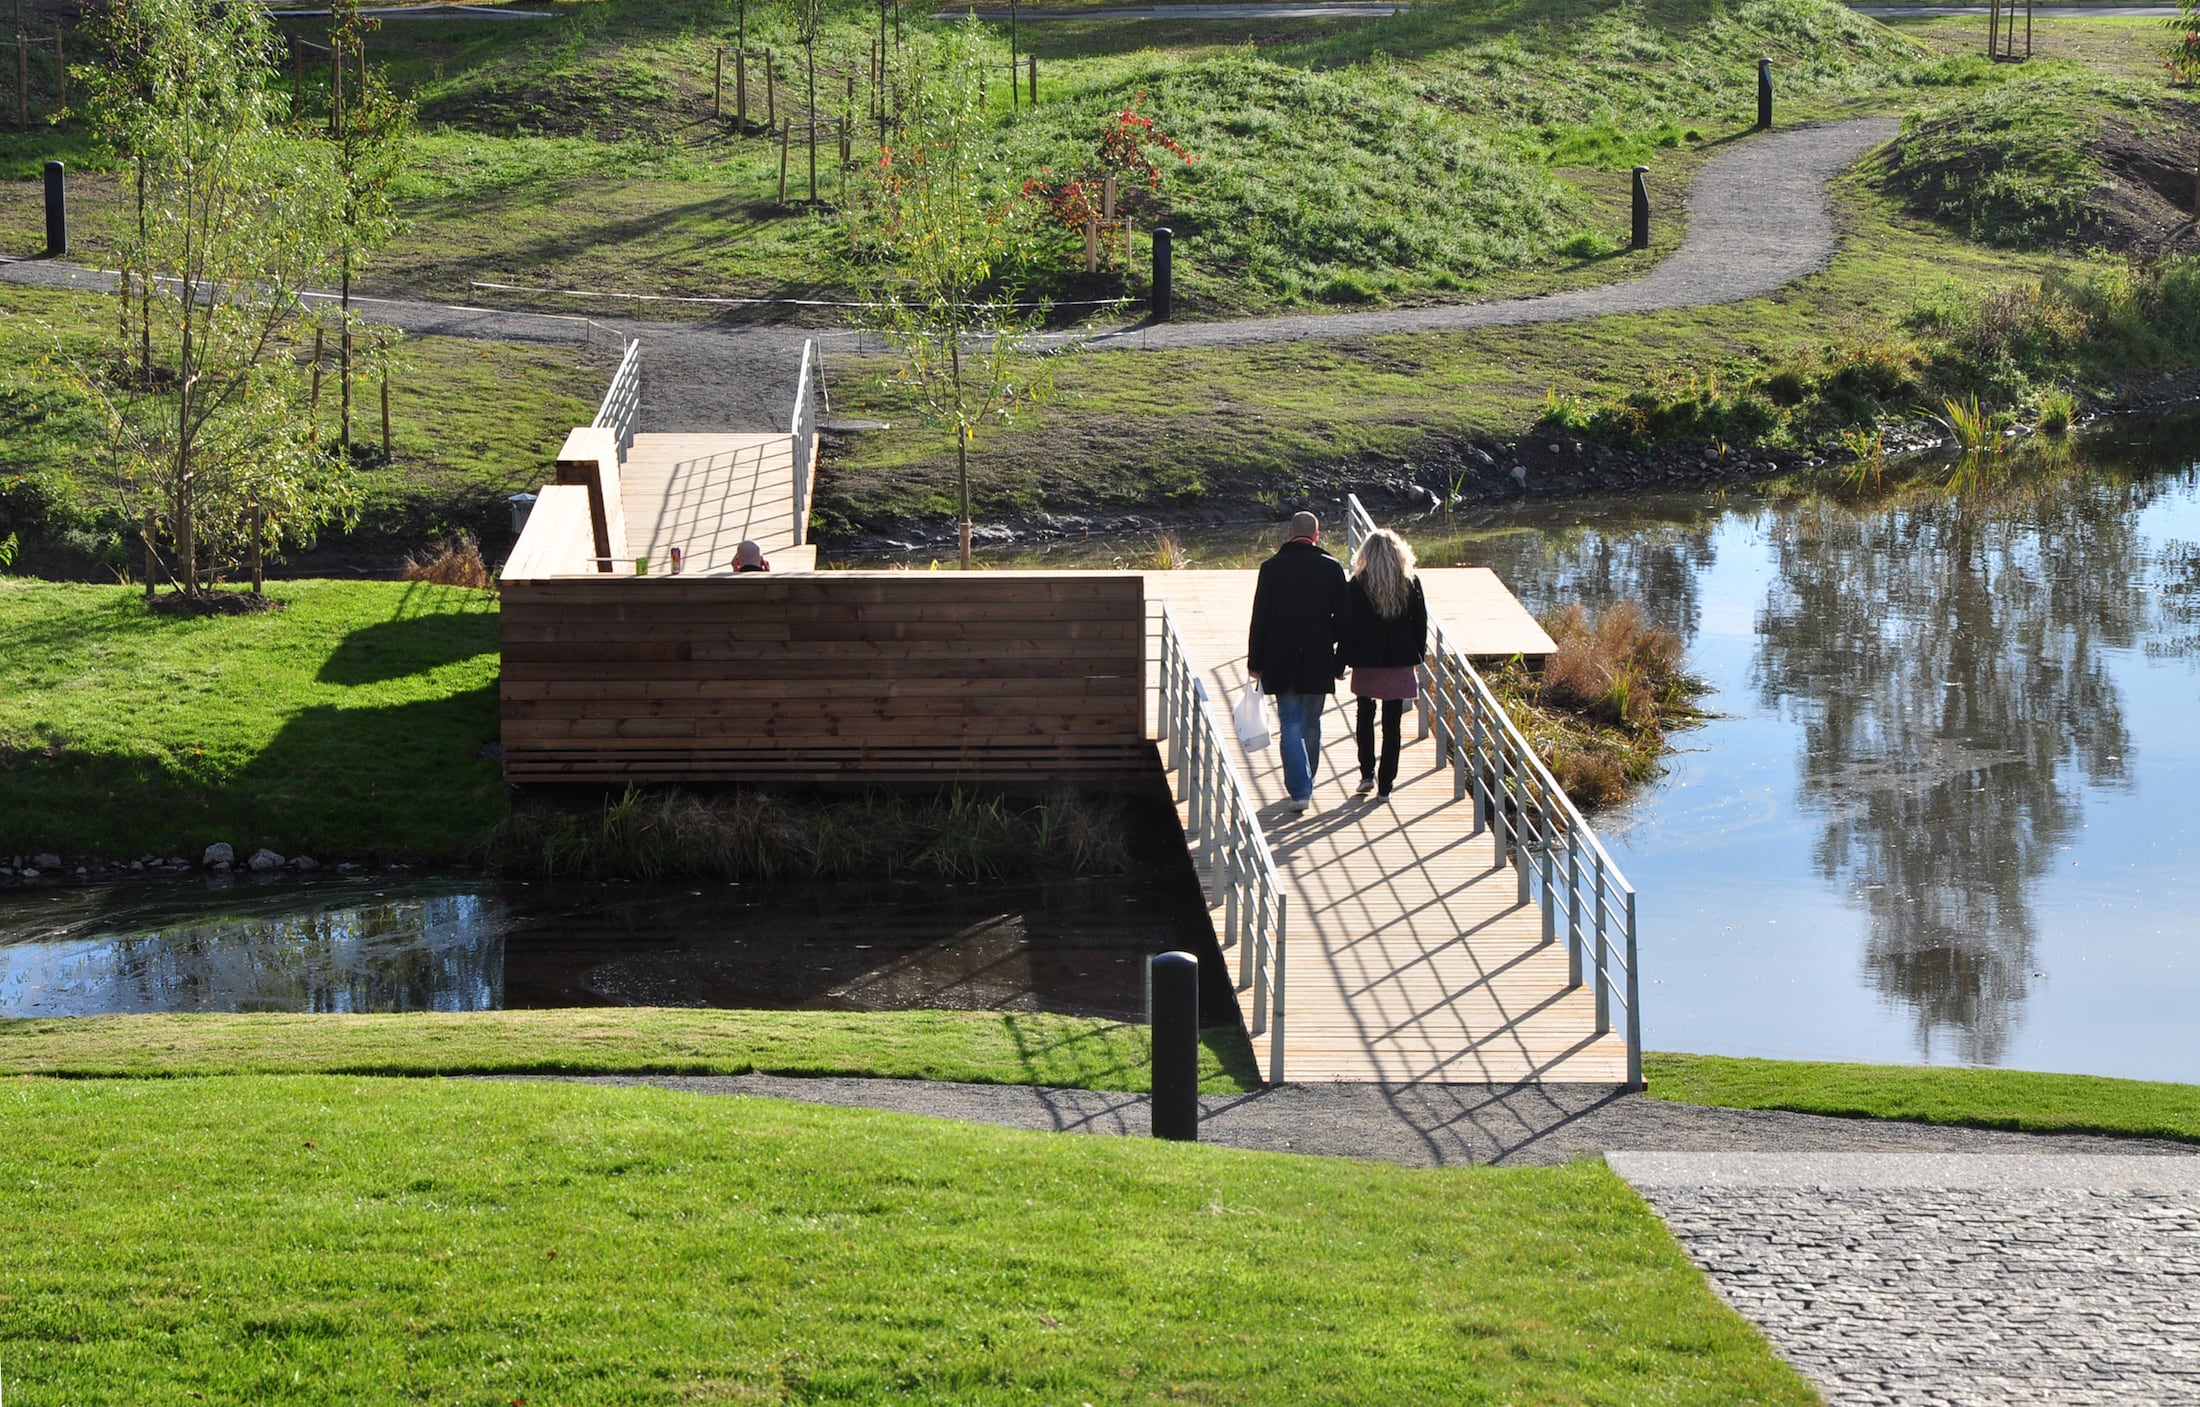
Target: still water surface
(392, 943)
(1947, 812)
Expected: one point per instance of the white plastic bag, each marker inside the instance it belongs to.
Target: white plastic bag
(1251, 715)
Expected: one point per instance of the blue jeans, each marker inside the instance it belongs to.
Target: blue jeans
(1299, 721)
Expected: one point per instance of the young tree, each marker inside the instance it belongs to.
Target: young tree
(367, 128)
(210, 443)
(940, 224)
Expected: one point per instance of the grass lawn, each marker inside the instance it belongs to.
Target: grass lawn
(981, 1047)
(471, 422)
(345, 725)
(315, 1239)
(2001, 1099)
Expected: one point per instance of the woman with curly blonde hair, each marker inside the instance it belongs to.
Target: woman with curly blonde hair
(1386, 634)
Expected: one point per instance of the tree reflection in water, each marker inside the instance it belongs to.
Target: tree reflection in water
(1660, 564)
(1946, 660)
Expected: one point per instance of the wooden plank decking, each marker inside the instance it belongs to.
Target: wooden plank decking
(704, 493)
(1408, 954)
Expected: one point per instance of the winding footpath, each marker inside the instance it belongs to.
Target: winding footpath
(1758, 219)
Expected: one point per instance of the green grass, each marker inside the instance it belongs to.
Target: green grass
(2000, 1099)
(980, 1047)
(471, 422)
(332, 1240)
(345, 725)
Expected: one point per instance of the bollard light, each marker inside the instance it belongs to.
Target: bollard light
(1175, 1006)
(1164, 274)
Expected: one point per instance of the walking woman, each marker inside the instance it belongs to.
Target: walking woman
(1386, 634)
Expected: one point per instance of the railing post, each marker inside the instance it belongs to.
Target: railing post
(1573, 901)
(1634, 1003)
(1604, 956)
(1546, 864)
(1275, 965)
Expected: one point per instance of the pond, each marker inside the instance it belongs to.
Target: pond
(392, 942)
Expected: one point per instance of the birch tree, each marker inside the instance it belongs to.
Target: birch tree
(210, 443)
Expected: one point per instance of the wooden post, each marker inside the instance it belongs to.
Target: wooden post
(1107, 196)
(1993, 29)
(22, 78)
(1092, 245)
(847, 154)
(771, 97)
(313, 402)
(718, 85)
(741, 89)
(386, 456)
(297, 78)
(786, 134)
(336, 88)
(152, 558)
(1034, 62)
(259, 577)
(813, 118)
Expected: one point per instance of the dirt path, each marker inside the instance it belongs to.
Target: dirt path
(1758, 219)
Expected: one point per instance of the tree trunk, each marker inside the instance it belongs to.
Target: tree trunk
(343, 355)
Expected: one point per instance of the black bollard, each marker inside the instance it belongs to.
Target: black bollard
(1764, 95)
(1164, 288)
(57, 212)
(1642, 207)
(1175, 1013)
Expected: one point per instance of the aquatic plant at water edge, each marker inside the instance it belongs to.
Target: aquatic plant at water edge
(754, 834)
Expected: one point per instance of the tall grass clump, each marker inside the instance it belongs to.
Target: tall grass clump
(668, 834)
(451, 561)
(2058, 409)
(1599, 711)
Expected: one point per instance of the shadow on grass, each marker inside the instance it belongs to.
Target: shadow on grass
(396, 781)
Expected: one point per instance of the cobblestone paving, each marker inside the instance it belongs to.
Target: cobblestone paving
(1975, 1279)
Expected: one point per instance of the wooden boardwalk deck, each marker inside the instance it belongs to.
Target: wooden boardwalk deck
(1408, 954)
(704, 493)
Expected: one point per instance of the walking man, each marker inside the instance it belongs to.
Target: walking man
(1299, 613)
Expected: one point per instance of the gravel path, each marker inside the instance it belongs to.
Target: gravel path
(1757, 219)
(1414, 1125)
(1900, 1278)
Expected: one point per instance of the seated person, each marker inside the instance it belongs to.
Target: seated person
(749, 557)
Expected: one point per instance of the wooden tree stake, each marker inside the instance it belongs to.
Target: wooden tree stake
(786, 134)
(718, 85)
(741, 88)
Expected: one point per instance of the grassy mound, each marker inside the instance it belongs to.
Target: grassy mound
(1999, 1099)
(346, 725)
(2068, 159)
(357, 1240)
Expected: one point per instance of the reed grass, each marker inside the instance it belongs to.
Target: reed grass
(451, 561)
(1599, 712)
(962, 835)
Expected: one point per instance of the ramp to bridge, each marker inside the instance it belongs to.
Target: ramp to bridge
(1411, 956)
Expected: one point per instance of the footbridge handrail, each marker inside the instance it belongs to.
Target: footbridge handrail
(809, 396)
(623, 402)
(1563, 867)
(1224, 831)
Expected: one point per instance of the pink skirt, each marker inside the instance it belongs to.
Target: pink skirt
(1389, 681)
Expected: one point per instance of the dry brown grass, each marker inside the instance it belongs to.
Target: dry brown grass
(1599, 712)
(450, 561)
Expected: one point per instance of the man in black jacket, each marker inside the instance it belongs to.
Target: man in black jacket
(1299, 611)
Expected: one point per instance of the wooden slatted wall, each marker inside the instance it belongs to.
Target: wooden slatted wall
(892, 676)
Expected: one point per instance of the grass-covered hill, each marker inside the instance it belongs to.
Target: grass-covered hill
(1337, 161)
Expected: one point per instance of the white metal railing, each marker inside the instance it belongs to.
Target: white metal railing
(1225, 836)
(624, 400)
(809, 398)
(1563, 868)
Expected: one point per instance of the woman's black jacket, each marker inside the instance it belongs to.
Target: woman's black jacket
(1371, 640)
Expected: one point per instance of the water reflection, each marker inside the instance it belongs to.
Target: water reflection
(389, 944)
(1947, 661)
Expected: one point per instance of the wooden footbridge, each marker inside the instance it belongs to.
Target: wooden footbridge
(1470, 930)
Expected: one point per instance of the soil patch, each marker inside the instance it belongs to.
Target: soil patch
(213, 603)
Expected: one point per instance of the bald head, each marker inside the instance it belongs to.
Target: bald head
(1305, 525)
(748, 554)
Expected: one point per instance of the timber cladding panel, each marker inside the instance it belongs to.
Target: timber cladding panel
(890, 676)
